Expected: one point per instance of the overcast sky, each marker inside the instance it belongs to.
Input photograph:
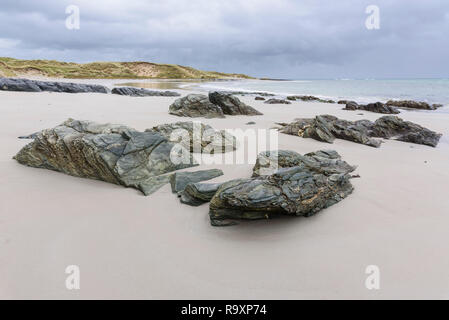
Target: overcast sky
(273, 38)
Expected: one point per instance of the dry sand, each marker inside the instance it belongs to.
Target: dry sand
(131, 246)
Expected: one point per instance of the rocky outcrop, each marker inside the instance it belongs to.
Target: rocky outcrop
(216, 105)
(377, 107)
(111, 153)
(407, 104)
(140, 92)
(328, 161)
(260, 98)
(180, 180)
(197, 137)
(231, 105)
(277, 101)
(310, 98)
(304, 189)
(12, 84)
(194, 106)
(327, 128)
(196, 194)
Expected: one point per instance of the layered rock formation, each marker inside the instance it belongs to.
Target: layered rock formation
(216, 105)
(310, 98)
(306, 185)
(197, 137)
(12, 84)
(140, 92)
(180, 180)
(377, 107)
(327, 128)
(196, 194)
(408, 104)
(111, 153)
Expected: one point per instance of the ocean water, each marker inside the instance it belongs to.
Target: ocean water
(363, 91)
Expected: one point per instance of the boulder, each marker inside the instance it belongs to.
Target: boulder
(231, 105)
(140, 92)
(377, 107)
(327, 128)
(277, 101)
(180, 180)
(309, 98)
(194, 106)
(301, 190)
(197, 137)
(260, 98)
(408, 104)
(196, 194)
(107, 152)
(25, 85)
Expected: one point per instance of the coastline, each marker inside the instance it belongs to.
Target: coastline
(130, 246)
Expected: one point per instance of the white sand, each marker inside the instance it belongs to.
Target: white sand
(131, 246)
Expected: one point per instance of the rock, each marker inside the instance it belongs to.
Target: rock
(197, 137)
(248, 93)
(196, 194)
(344, 101)
(140, 92)
(377, 107)
(309, 98)
(195, 105)
(277, 101)
(392, 127)
(180, 180)
(25, 85)
(107, 152)
(231, 105)
(407, 104)
(327, 128)
(328, 161)
(260, 98)
(250, 123)
(301, 190)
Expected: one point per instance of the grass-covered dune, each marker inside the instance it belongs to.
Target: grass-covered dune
(10, 67)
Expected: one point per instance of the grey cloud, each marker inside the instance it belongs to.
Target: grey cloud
(276, 38)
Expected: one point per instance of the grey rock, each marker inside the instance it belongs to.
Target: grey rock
(277, 101)
(260, 98)
(328, 161)
(250, 123)
(408, 104)
(231, 105)
(301, 190)
(327, 128)
(377, 107)
(107, 152)
(194, 106)
(310, 98)
(140, 92)
(25, 85)
(180, 180)
(197, 137)
(196, 194)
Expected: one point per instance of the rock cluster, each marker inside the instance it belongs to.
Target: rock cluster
(111, 153)
(327, 128)
(310, 98)
(377, 107)
(306, 185)
(277, 101)
(180, 180)
(13, 84)
(216, 105)
(140, 92)
(408, 104)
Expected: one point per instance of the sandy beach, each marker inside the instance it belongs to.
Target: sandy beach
(133, 247)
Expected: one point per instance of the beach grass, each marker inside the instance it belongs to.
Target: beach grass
(10, 67)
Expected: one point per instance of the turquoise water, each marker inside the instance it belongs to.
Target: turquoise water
(429, 90)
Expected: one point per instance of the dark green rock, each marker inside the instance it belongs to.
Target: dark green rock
(180, 180)
(231, 105)
(194, 106)
(196, 194)
(111, 153)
